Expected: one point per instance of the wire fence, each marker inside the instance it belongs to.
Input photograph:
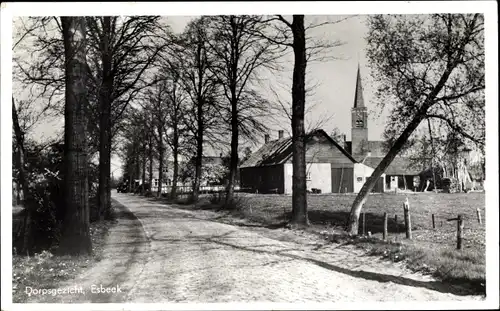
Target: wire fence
(464, 229)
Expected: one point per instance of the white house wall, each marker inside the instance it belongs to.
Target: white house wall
(362, 171)
(320, 177)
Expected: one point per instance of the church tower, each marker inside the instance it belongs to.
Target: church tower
(359, 122)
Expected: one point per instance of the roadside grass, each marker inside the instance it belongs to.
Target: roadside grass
(45, 270)
(431, 251)
(464, 268)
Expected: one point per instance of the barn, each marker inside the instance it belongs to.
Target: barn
(329, 167)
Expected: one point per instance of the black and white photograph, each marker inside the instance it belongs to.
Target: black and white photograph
(249, 155)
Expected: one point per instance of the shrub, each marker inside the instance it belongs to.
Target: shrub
(46, 200)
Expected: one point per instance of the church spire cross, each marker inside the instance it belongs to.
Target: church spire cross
(358, 95)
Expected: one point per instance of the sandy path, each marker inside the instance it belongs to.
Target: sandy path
(184, 256)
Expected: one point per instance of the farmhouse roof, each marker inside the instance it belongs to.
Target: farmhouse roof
(376, 147)
(280, 150)
(398, 166)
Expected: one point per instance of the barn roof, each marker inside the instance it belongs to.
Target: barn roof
(398, 166)
(280, 150)
(376, 147)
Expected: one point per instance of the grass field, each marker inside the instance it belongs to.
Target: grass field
(430, 251)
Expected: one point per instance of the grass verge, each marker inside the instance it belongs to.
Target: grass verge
(464, 268)
(45, 270)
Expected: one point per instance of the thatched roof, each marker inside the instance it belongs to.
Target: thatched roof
(280, 150)
(399, 166)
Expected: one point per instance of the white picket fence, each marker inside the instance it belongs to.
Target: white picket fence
(189, 189)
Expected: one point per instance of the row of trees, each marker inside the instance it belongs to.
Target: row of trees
(132, 78)
(129, 83)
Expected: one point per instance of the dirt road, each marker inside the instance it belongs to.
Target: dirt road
(157, 253)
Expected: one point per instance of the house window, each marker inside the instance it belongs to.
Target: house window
(156, 182)
(359, 179)
(308, 176)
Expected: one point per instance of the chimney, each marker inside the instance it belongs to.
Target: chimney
(266, 138)
(280, 134)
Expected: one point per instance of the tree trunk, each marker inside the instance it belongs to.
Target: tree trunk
(76, 230)
(175, 151)
(23, 181)
(360, 200)
(144, 159)
(160, 166)
(105, 94)
(199, 150)
(299, 193)
(137, 162)
(433, 155)
(233, 162)
(150, 177)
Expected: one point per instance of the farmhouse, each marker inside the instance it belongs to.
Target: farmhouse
(331, 167)
(210, 164)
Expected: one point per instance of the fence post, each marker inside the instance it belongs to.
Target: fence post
(385, 227)
(433, 222)
(406, 208)
(478, 212)
(396, 222)
(460, 229)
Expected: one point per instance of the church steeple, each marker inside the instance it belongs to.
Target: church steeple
(358, 95)
(359, 121)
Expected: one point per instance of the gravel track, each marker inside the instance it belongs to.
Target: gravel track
(157, 253)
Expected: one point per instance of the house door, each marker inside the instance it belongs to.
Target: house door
(342, 180)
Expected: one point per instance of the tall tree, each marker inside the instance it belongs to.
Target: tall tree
(299, 186)
(239, 51)
(157, 105)
(123, 49)
(23, 179)
(175, 99)
(200, 85)
(293, 35)
(120, 50)
(76, 232)
(427, 67)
